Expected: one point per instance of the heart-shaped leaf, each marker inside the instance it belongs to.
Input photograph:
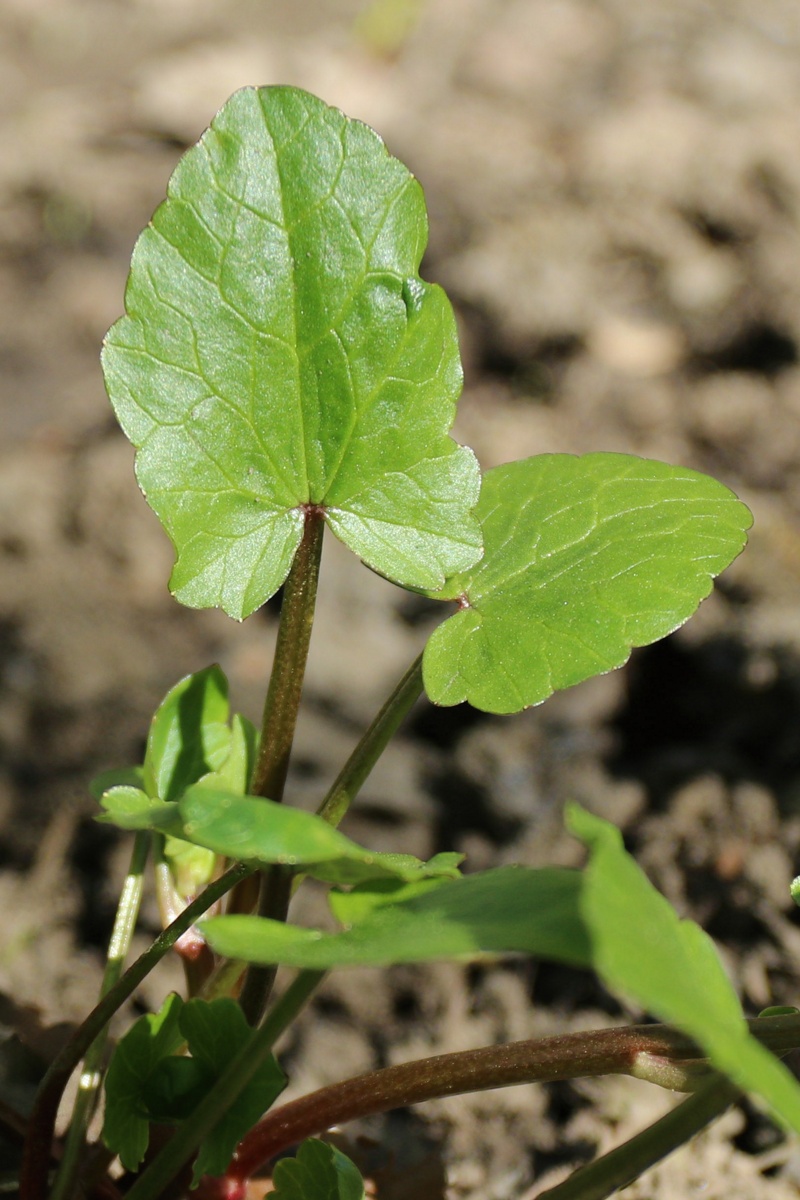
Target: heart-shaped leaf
(281, 351)
(585, 558)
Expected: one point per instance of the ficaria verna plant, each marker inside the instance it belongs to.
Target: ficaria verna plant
(282, 368)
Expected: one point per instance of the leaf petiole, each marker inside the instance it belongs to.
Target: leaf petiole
(357, 769)
(277, 730)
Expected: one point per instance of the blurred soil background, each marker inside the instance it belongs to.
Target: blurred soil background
(614, 193)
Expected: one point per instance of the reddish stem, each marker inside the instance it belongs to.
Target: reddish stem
(647, 1051)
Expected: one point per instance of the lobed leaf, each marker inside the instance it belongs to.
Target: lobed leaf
(585, 558)
(317, 1172)
(609, 918)
(148, 1081)
(126, 1124)
(215, 1032)
(280, 351)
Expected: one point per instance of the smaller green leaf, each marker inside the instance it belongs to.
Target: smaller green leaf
(189, 735)
(503, 911)
(640, 947)
(126, 1126)
(251, 829)
(117, 777)
(216, 1031)
(318, 1172)
(131, 808)
(584, 559)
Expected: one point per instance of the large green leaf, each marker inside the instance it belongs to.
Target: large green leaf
(505, 910)
(670, 967)
(584, 559)
(318, 1172)
(280, 350)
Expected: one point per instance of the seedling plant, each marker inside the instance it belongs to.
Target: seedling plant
(283, 370)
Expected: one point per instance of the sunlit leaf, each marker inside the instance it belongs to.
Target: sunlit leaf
(584, 559)
(280, 351)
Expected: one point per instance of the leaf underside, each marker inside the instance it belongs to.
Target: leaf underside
(585, 558)
(280, 351)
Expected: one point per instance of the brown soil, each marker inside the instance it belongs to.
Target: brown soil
(615, 204)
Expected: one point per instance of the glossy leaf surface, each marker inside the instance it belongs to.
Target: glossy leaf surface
(317, 1172)
(280, 350)
(585, 558)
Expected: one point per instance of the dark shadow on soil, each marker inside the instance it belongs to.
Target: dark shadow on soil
(699, 710)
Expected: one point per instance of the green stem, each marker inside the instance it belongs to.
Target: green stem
(627, 1162)
(277, 731)
(241, 1070)
(35, 1159)
(372, 745)
(288, 669)
(118, 947)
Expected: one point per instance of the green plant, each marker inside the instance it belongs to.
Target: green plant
(283, 368)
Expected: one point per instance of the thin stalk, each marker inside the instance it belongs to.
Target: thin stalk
(35, 1159)
(356, 770)
(653, 1052)
(118, 947)
(606, 1175)
(288, 669)
(241, 1070)
(277, 731)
